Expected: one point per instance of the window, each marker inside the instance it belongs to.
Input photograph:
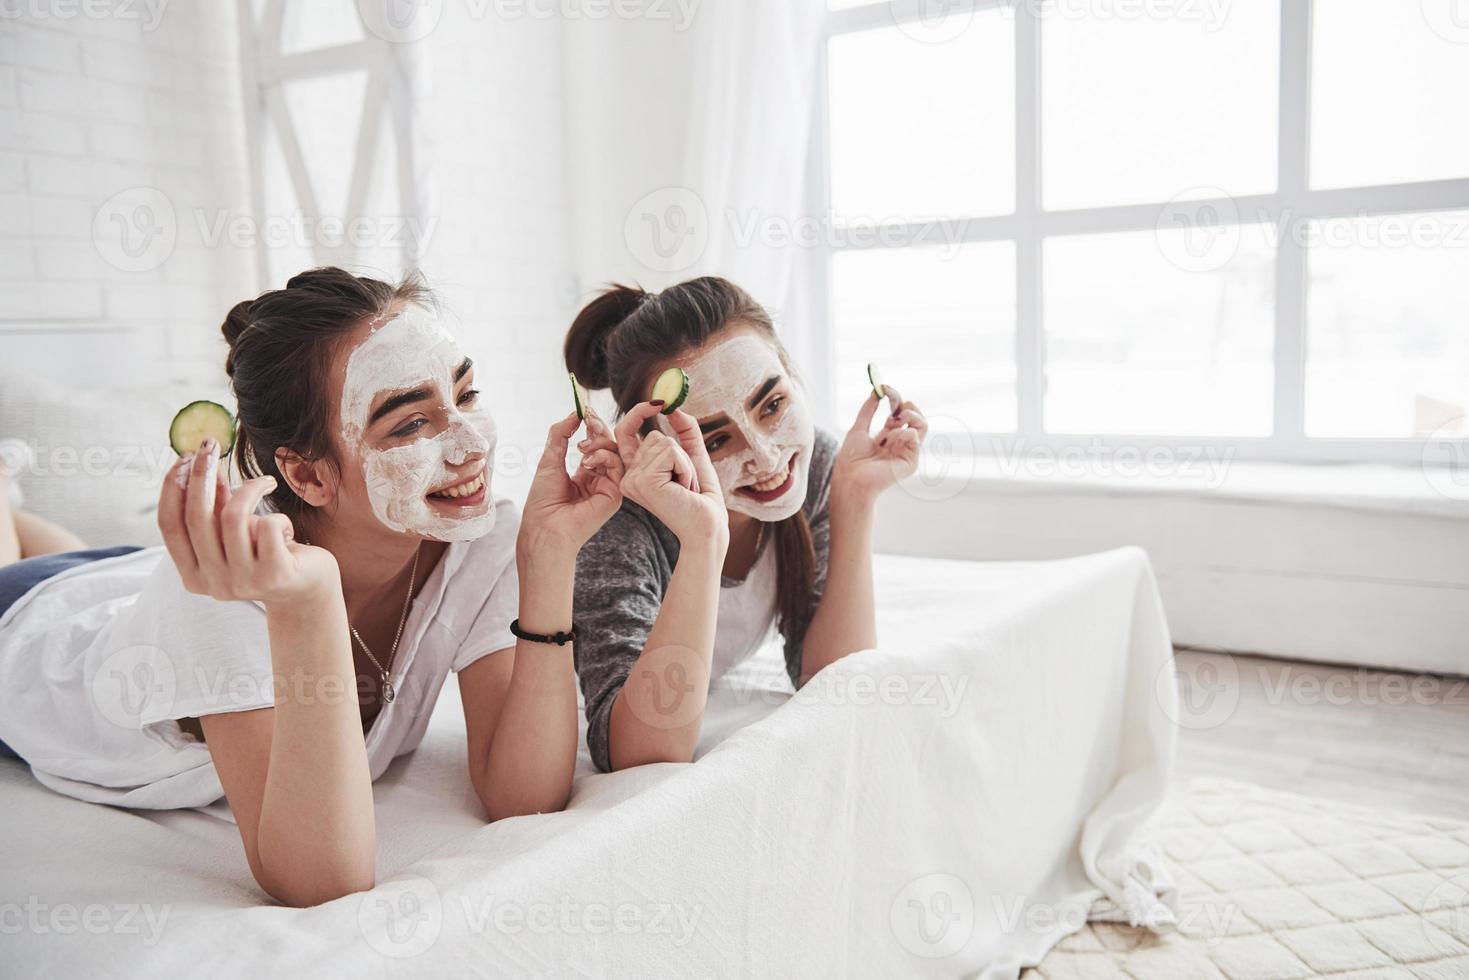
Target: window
(1166, 223)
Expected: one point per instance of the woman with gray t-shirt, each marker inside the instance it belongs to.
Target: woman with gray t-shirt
(738, 518)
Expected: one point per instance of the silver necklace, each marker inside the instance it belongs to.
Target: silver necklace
(387, 685)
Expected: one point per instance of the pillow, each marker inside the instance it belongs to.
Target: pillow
(100, 453)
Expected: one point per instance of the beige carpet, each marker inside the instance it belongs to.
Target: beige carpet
(1274, 885)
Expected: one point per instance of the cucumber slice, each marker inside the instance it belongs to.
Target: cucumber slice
(875, 379)
(673, 387)
(197, 421)
(579, 397)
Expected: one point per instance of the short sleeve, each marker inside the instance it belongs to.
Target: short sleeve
(621, 575)
(491, 572)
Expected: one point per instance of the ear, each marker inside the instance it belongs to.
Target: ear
(313, 481)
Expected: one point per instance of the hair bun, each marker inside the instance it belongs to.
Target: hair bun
(586, 342)
(235, 323)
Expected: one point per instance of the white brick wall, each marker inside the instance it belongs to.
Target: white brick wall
(90, 107)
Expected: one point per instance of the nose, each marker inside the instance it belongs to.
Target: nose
(466, 445)
(764, 455)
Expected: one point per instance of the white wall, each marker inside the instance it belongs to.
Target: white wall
(143, 115)
(500, 254)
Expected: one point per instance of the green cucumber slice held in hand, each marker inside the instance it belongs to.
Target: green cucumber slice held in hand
(672, 387)
(875, 379)
(198, 421)
(579, 397)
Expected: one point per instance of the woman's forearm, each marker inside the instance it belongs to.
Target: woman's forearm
(845, 620)
(657, 715)
(317, 838)
(532, 754)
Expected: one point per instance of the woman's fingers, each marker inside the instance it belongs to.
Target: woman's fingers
(199, 512)
(691, 441)
(558, 438)
(171, 521)
(863, 422)
(606, 461)
(273, 535)
(235, 522)
(628, 439)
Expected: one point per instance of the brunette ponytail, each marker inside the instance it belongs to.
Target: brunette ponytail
(623, 334)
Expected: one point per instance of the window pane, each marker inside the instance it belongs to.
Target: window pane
(1387, 328)
(940, 325)
(923, 130)
(1141, 341)
(1387, 92)
(1181, 104)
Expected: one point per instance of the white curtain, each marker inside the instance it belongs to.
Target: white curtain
(755, 83)
(691, 149)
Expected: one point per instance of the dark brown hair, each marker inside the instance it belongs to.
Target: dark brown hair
(279, 364)
(623, 334)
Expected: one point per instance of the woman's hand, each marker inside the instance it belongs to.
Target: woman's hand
(223, 549)
(672, 477)
(564, 510)
(866, 465)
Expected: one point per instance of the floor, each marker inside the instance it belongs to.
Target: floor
(1344, 733)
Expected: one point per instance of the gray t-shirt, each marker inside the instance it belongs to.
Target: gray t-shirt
(621, 576)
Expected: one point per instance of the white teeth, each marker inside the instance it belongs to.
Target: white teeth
(463, 490)
(765, 486)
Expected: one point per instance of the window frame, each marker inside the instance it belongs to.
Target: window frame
(1293, 201)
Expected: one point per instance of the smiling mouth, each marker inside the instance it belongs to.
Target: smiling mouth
(466, 493)
(771, 488)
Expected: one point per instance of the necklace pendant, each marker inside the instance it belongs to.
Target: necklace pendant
(388, 692)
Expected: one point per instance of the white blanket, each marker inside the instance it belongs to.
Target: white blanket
(946, 805)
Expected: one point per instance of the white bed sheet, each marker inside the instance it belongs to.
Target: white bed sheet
(942, 806)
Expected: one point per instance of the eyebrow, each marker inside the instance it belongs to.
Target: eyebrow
(417, 394)
(759, 395)
(718, 422)
(398, 401)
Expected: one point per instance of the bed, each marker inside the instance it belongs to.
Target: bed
(951, 804)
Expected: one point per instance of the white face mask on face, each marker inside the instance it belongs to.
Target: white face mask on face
(410, 351)
(722, 380)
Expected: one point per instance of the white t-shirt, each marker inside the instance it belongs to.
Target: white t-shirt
(99, 662)
(746, 614)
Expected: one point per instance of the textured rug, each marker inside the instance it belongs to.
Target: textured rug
(1274, 885)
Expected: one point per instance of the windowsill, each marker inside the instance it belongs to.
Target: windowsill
(1382, 488)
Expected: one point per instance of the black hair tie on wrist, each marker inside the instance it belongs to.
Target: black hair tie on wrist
(560, 639)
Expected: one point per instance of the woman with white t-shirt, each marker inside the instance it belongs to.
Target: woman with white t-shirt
(282, 656)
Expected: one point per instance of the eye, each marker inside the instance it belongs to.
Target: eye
(408, 428)
(469, 396)
(714, 444)
(773, 406)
